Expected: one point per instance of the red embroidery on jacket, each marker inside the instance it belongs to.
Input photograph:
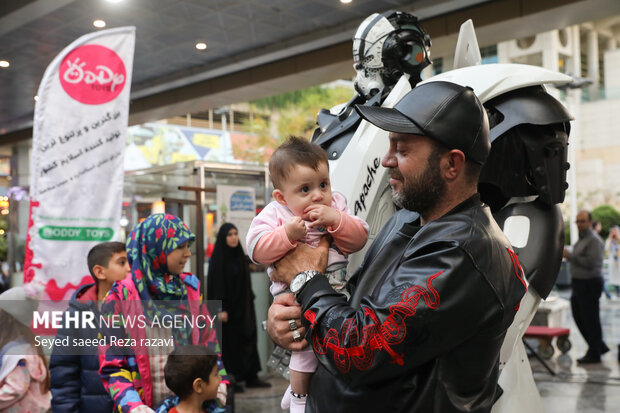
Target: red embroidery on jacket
(518, 271)
(377, 336)
(310, 316)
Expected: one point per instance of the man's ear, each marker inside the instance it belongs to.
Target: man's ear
(455, 164)
(279, 196)
(196, 385)
(98, 271)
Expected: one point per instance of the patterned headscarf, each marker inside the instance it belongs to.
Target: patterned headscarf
(148, 246)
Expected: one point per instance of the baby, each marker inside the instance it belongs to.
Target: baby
(304, 210)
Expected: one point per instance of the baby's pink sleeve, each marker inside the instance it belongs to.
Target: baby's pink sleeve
(351, 233)
(272, 246)
(267, 241)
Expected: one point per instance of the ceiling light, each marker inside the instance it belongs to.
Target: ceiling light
(99, 23)
(114, 1)
(201, 46)
(4, 63)
(36, 98)
(345, 1)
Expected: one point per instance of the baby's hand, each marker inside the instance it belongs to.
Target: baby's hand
(222, 392)
(295, 228)
(322, 216)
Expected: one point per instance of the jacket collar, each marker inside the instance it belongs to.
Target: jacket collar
(587, 233)
(470, 202)
(87, 293)
(412, 227)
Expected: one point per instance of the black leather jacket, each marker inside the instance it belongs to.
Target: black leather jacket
(427, 317)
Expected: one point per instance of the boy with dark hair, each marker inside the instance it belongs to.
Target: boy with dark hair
(75, 382)
(191, 372)
(107, 263)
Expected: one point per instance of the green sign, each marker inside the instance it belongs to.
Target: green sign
(76, 233)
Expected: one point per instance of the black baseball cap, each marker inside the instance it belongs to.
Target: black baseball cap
(446, 112)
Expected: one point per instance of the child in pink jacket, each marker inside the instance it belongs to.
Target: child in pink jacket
(24, 376)
(304, 210)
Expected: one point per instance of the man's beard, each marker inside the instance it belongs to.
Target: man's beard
(422, 193)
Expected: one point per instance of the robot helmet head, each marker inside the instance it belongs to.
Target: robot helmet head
(385, 47)
(529, 138)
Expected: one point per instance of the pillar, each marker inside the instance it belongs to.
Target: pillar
(593, 67)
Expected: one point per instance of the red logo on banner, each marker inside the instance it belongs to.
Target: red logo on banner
(92, 74)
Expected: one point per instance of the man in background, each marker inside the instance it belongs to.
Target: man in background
(586, 262)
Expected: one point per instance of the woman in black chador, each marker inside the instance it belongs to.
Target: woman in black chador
(229, 281)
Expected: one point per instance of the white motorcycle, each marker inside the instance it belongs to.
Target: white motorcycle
(523, 180)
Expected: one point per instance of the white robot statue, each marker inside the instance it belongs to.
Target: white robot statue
(390, 50)
(523, 180)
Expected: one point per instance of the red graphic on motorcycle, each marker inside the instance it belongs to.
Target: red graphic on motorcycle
(92, 74)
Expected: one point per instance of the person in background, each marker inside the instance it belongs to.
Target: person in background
(24, 376)
(157, 251)
(5, 282)
(586, 262)
(598, 227)
(75, 383)
(229, 281)
(191, 373)
(612, 248)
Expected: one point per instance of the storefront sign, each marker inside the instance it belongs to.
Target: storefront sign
(153, 144)
(76, 233)
(77, 158)
(237, 205)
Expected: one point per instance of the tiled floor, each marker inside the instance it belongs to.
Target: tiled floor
(262, 400)
(589, 389)
(575, 389)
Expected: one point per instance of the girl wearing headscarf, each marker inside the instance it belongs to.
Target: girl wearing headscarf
(157, 250)
(229, 281)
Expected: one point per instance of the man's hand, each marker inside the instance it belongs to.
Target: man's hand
(302, 258)
(295, 228)
(223, 316)
(283, 309)
(322, 216)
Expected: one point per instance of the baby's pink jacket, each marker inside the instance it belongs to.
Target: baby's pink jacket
(20, 390)
(267, 241)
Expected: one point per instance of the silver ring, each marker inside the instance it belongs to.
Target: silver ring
(292, 325)
(296, 336)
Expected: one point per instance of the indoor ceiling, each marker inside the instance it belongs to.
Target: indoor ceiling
(240, 35)
(33, 32)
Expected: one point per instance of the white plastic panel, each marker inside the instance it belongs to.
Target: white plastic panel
(517, 230)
